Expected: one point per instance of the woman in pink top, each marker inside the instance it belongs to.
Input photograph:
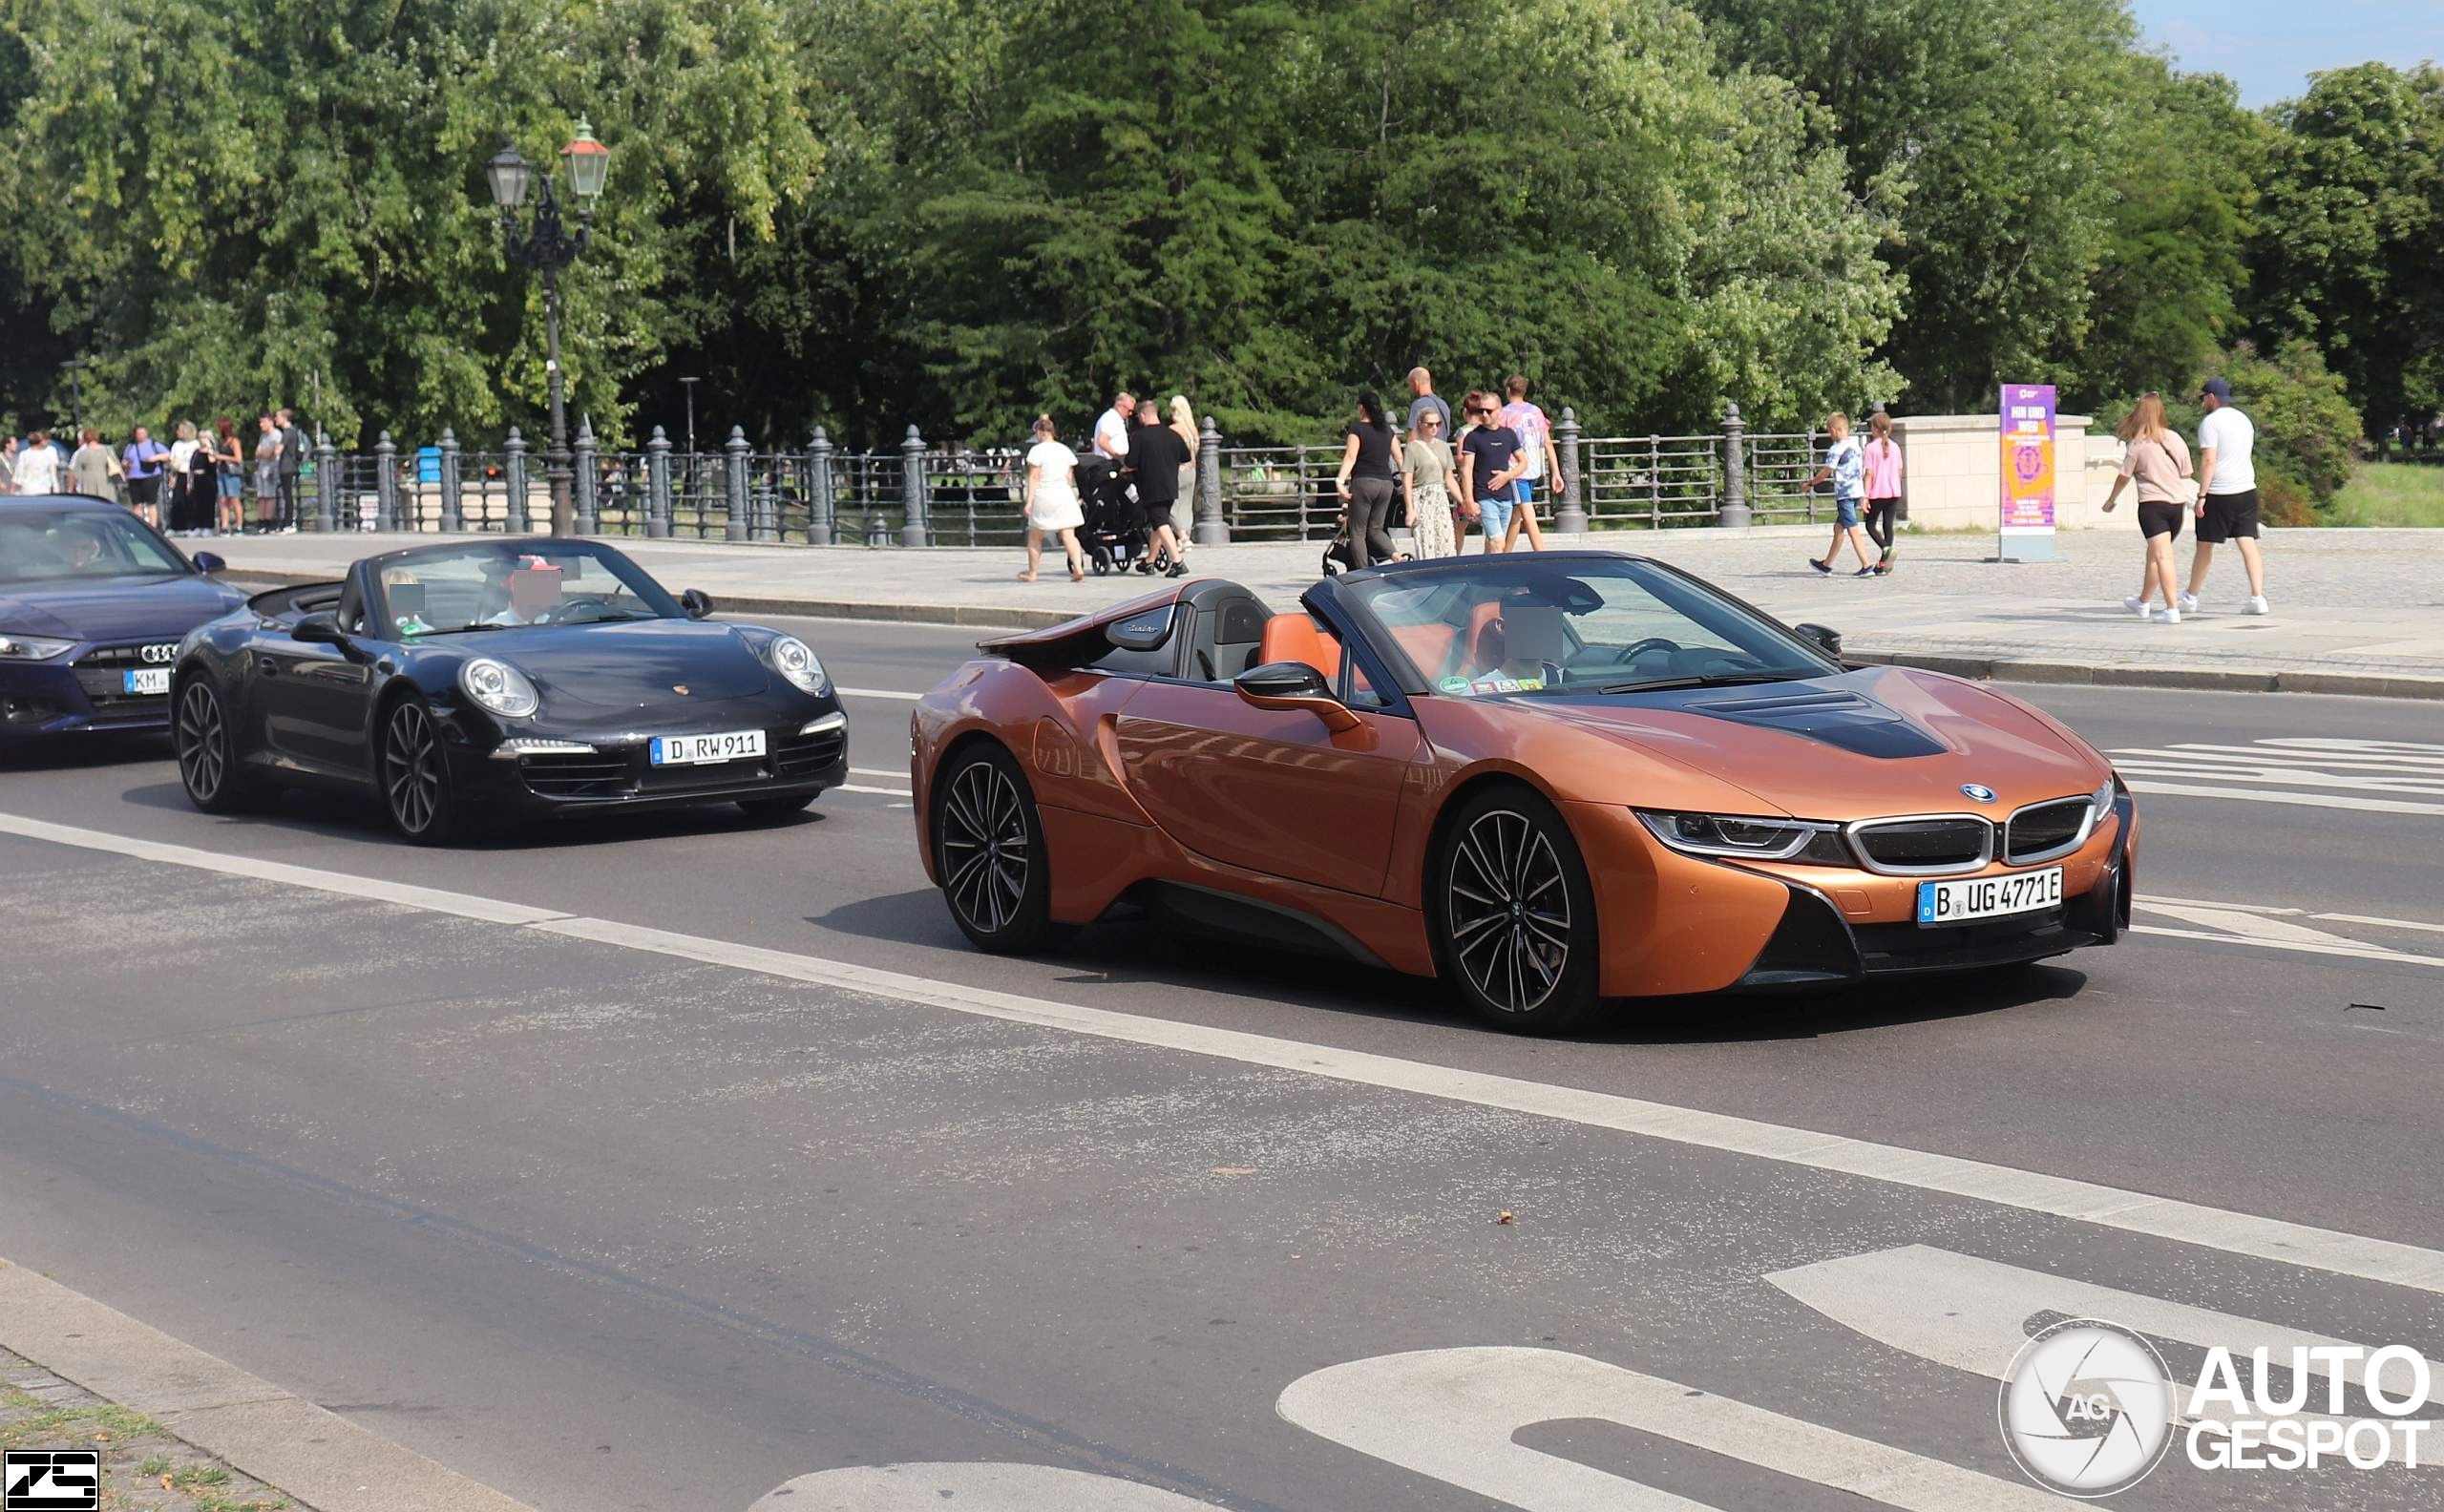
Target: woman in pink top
(1884, 485)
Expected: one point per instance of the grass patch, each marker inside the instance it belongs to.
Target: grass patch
(2390, 493)
(52, 1424)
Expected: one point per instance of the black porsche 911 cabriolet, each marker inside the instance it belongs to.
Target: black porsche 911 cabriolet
(523, 675)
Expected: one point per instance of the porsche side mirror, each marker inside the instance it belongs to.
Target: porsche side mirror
(319, 629)
(697, 602)
(207, 562)
(1824, 636)
(1294, 685)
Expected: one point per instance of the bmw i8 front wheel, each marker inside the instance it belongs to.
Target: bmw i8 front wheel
(1513, 913)
(989, 853)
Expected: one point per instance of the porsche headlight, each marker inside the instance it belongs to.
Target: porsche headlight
(30, 648)
(792, 658)
(1749, 837)
(500, 687)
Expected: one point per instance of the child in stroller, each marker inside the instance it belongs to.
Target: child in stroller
(1114, 535)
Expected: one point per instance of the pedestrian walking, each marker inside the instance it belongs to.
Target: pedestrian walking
(293, 463)
(1156, 457)
(140, 464)
(1425, 486)
(1881, 462)
(1424, 401)
(1367, 475)
(229, 462)
(1184, 506)
(1539, 463)
(183, 516)
(8, 465)
(1111, 427)
(1052, 507)
(201, 474)
(95, 470)
(37, 469)
(2154, 456)
(1846, 465)
(266, 475)
(2227, 494)
(1490, 457)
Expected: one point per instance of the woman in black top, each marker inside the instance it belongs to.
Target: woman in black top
(1367, 475)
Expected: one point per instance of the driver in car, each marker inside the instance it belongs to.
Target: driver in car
(535, 594)
(1535, 641)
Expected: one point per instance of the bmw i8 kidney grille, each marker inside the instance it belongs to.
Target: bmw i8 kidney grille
(2041, 831)
(1954, 844)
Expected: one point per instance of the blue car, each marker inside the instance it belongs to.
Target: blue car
(93, 606)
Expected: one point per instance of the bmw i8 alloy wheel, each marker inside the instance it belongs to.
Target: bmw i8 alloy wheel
(989, 852)
(415, 772)
(1515, 916)
(207, 760)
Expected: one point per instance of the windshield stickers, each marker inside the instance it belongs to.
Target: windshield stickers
(1491, 684)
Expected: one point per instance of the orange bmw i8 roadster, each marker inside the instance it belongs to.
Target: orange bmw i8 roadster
(1548, 780)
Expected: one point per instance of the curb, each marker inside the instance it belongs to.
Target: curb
(1982, 669)
(281, 1439)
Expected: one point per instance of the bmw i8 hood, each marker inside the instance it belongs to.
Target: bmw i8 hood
(117, 609)
(632, 663)
(1880, 741)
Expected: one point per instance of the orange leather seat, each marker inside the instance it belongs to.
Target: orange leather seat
(1428, 645)
(1294, 638)
(1483, 641)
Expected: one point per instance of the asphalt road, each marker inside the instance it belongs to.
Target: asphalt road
(618, 1219)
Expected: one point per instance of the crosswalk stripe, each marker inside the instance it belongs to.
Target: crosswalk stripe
(2306, 800)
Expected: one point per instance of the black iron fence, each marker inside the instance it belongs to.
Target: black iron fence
(925, 495)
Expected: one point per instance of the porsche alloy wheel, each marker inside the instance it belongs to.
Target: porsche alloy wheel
(415, 775)
(207, 765)
(989, 853)
(1516, 916)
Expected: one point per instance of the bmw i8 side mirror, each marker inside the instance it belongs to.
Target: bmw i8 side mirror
(319, 629)
(1294, 685)
(1824, 636)
(697, 602)
(208, 562)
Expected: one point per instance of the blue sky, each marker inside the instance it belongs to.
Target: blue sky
(2270, 47)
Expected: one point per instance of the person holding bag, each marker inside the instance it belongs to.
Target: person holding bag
(2153, 455)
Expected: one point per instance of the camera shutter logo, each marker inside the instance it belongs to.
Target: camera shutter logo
(2087, 1408)
(50, 1480)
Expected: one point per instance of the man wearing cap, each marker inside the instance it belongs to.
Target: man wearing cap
(2227, 494)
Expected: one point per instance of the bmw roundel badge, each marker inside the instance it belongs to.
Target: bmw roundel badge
(1983, 794)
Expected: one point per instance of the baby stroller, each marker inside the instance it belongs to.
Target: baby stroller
(1338, 558)
(1114, 535)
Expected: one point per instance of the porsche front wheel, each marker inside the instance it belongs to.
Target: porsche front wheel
(989, 853)
(415, 773)
(1514, 917)
(208, 752)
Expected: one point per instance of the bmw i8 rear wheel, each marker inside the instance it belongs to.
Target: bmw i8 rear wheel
(989, 853)
(1514, 916)
(207, 754)
(414, 771)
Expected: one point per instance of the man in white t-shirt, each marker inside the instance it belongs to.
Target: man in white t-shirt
(2227, 494)
(1111, 427)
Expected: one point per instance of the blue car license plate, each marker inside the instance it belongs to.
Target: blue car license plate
(145, 680)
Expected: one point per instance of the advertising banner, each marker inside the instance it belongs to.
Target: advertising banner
(2026, 440)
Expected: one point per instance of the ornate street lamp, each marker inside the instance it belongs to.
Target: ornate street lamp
(545, 246)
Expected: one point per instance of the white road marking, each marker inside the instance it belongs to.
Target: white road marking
(2259, 929)
(877, 693)
(1451, 1413)
(2148, 785)
(2379, 922)
(860, 787)
(2352, 949)
(1971, 1313)
(2383, 1260)
(2261, 771)
(974, 1487)
(2305, 771)
(879, 771)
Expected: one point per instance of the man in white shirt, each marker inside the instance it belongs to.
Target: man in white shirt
(1111, 427)
(2227, 494)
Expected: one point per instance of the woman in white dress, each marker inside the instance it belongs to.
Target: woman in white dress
(1052, 501)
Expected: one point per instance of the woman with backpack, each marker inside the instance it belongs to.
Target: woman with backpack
(2153, 454)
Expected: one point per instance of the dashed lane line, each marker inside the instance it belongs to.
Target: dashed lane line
(894, 694)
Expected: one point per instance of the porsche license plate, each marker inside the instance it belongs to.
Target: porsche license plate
(696, 751)
(1973, 898)
(145, 680)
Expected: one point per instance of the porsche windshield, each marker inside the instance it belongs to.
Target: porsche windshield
(39, 546)
(1521, 625)
(515, 584)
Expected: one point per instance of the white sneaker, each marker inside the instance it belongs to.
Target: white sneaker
(2189, 603)
(2166, 616)
(2256, 605)
(2136, 607)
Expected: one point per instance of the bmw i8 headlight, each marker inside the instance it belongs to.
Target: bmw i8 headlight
(30, 648)
(793, 659)
(1746, 836)
(500, 687)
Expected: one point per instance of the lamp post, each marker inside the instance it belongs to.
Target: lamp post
(545, 246)
(75, 370)
(687, 387)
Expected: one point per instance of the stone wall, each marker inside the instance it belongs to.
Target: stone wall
(1952, 472)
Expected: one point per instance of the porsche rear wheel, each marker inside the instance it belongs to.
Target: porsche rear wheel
(414, 775)
(1514, 916)
(989, 853)
(208, 754)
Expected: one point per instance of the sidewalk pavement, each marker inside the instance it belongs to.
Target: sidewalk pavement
(2355, 611)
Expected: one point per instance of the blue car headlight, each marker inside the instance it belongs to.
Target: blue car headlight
(499, 687)
(14, 647)
(794, 660)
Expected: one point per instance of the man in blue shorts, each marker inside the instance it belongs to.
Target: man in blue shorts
(1846, 463)
(1491, 459)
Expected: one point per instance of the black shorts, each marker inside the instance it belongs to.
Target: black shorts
(2157, 518)
(146, 491)
(2228, 516)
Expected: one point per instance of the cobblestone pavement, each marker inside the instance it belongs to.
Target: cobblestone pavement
(2362, 603)
(144, 1467)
